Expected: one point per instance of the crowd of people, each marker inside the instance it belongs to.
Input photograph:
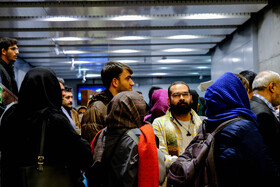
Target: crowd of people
(120, 140)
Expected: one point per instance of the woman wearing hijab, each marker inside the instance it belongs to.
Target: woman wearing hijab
(40, 99)
(159, 103)
(127, 164)
(241, 157)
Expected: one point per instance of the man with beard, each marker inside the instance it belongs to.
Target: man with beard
(179, 125)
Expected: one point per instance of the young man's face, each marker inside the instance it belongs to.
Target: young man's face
(125, 82)
(11, 54)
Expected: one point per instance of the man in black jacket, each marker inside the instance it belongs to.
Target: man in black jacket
(9, 53)
(266, 88)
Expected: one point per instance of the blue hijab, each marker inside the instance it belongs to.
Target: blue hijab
(227, 98)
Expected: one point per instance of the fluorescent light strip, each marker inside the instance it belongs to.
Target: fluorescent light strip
(75, 52)
(176, 50)
(130, 38)
(71, 39)
(125, 51)
(170, 60)
(179, 37)
(130, 18)
(93, 75)
(59, 18)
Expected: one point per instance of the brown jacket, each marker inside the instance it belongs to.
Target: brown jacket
(94, 118)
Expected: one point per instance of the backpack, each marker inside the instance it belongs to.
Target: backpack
(196, 167)
(98, 175)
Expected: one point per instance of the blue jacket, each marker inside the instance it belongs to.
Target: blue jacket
(241, 157)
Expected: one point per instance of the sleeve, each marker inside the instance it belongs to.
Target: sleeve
(159, 130)
(76, 150)
(93, 121)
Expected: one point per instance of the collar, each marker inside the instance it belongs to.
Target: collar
(268, 104)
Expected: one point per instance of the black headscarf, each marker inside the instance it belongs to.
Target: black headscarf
(39, 91)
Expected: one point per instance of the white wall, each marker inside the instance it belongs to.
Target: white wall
(269, 40)
(235, 54)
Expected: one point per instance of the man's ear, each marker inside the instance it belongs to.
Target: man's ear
(272, 87)
(3, 51)
(168, 100)
(115, 82)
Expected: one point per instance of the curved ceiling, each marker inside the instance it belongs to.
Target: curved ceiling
(155, 38)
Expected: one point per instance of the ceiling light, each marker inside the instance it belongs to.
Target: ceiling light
(130, 18)
(130, 38)
(170, 60)
(128, 61)
(93, 75)
(174, 50)
(158, 74)
(236, 59)
(125, 51)
(61, 18)
(66, 39)
(202, 67)
(82, 62)
(75, 52)
(194, 73)
(178, 37)
(209, 16)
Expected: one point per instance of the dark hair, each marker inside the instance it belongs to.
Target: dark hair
(244, 81)
(113, 70)
(67, 89)
(174, 83)
(152, 90)
(5, 43)
(250, 76)
(195, 97)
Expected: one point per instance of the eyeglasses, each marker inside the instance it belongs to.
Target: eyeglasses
(184, 94)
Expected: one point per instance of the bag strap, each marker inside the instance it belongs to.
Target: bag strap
(224, 124)
(133, 136)
(41, 158)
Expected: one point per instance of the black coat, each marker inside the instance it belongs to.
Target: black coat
(269, 127)
(20, 131)
(8, 76)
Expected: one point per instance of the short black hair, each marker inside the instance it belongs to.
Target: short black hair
(113, 70)
(5, 43)
(152, 90)
(174, 83)
(250, 76)
(67, 89)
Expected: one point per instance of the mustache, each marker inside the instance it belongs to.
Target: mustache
(182, 102)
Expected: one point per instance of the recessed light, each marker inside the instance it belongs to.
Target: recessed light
(130, 18)
(179, 37)
(125, 51)
(65, 39)
(202, 67)
(59, 18)
(174, 50)
(130, 38)
(170, 60)
(75, 52)
(158, 74)
(93, 75)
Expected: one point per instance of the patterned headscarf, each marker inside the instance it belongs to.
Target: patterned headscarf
(127, 109)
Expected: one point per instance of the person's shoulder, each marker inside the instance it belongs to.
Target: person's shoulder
(241, 127)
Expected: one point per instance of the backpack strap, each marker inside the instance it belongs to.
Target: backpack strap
(210, 156)
(226, 123)
(133, 136)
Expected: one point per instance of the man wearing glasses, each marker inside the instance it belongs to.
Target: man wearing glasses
(179, 125)
(9, 53)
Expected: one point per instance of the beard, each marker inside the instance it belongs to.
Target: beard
(180, 108)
